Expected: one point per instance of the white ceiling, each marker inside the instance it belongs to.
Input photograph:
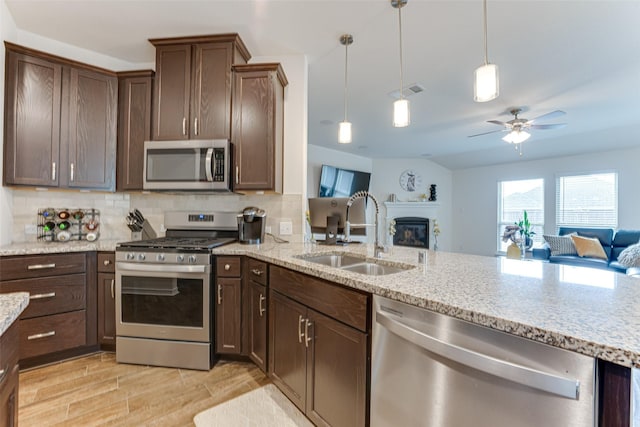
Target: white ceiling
(582, 57)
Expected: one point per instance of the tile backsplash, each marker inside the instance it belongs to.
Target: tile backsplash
(115, 206)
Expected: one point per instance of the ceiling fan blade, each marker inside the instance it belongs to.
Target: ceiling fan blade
(549, 126)
(486, 133)
(551, 115)
(497, 122)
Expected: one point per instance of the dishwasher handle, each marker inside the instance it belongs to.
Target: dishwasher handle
(534, 378)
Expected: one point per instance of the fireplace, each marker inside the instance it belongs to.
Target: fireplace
(412, 231)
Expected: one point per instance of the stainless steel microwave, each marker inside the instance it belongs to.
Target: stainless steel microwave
(188, 165)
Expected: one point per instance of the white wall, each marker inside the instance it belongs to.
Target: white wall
(385, 174)
(7, 30)
(475, 193)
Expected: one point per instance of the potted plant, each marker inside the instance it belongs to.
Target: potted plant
(525, 228)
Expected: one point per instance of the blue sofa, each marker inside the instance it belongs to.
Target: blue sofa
(612, 242)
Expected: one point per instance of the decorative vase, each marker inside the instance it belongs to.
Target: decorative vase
(529, 243)
(513, 251)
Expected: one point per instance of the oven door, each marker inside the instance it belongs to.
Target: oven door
(163, 301)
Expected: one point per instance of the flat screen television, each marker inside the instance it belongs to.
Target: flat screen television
(322, 207)
(338, 182)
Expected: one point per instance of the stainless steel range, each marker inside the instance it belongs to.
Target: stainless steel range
(164, 309)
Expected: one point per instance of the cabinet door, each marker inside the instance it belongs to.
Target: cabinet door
(134, 127)
(228, 313)
(258, 324)
(106, 311)
(172, 92)
(252, 131)
(9, 396)
(32, 121)
(211, 91)
(336, 373)
(287, 352)
(92, 130)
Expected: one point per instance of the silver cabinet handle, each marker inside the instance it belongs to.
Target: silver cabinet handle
(227, 267)
(219, 294)
(237, 175)
(42, 335)
(3, 374)
(53, 171)
(113, 292)
(307, 324)
(41, 296)
(256, 271)
(72, 174)
(208, 165)
(261, 309)
(534, 378)
(184, 125)
(301, 320)
(195, 125)
(41, 266)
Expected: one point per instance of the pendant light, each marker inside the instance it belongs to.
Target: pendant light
(344, 129)
(486, 83)
(401, 116)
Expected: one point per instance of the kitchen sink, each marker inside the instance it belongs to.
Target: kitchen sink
(356, 264)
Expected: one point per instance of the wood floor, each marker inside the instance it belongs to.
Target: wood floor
(95, 390)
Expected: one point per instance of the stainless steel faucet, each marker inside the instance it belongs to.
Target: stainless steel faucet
(377, 249)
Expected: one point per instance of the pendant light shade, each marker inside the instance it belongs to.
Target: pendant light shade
(401, 116)
(486, 82)
(344, 128)
(344, 133)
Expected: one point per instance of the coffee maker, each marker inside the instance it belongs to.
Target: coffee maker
(251, 223)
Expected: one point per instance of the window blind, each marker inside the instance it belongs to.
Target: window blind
(589, 200)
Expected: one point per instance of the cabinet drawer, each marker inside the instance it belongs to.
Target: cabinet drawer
(228, 266)
(106, 262)
(346, 305)
(48, 334)
(257, 271)
(24, 267)
(50, 295)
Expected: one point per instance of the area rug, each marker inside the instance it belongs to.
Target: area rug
(263, 407)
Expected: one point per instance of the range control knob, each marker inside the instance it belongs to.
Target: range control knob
(141, 257)
(160, 257)
(192, 259)
(130, 256)
(180, 258)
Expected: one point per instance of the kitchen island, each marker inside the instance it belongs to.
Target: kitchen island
(588, 311)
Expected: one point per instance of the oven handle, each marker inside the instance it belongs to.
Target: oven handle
(161, 268)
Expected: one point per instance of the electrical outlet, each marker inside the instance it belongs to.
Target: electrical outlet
(286, 228)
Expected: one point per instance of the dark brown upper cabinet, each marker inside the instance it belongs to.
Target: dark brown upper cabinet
(60, 122)
(192, 95)
(257, 130)
(134, 127)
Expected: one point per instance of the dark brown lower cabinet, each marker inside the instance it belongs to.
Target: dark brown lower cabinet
(106, 301)
(9, 376)
(228, 315)
(319, 363)
(258, 324)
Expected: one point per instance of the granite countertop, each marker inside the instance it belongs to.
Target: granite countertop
(11, 306)
(39, 248)
(589, 311)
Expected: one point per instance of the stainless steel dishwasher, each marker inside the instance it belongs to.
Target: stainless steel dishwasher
(432, 370)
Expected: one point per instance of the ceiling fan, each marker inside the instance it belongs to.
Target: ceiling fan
(518, 127)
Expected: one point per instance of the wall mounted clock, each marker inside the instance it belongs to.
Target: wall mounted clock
(410, 180)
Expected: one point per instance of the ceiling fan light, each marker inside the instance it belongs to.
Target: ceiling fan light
(486, 83)
(401, 117)
(344, 133)
(516, 137)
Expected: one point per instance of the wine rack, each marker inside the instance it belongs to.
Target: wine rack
(66, 225)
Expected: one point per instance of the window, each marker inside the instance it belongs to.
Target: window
(515, 197)
(587, 200)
